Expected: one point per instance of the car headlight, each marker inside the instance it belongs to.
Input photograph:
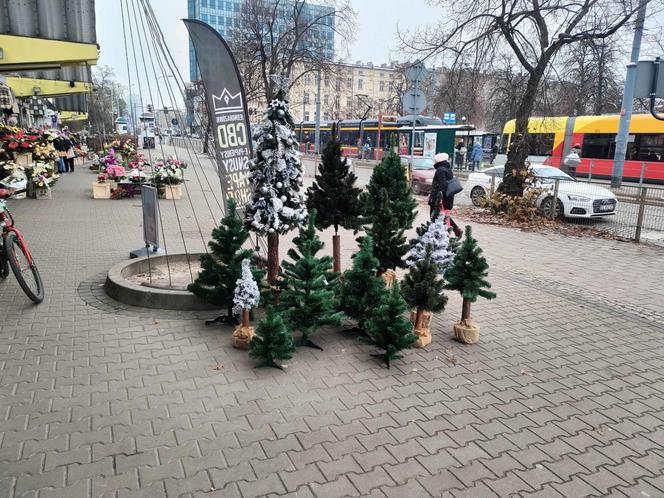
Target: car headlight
(578, 198)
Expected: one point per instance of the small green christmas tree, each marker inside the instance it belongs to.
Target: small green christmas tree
(222, 266)
(389, 174)
(468, 274)
(386, 326)
(389, 242)
(273, 341)
(361, 289)
(307, 298)
(422, 286)
(334, 195)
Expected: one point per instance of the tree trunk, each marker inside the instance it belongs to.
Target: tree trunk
(272, 258)
(516, 158)
(245, 318)
(418, 319)
(336, 252)
(465, 311)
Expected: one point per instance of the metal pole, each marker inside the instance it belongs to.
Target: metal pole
(317, 139)
(590, 170)
(643, 171)
(554, 202)
(628, 99)
(639, 217)
(416, 84)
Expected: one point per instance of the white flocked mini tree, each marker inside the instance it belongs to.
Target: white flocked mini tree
(246, 297)
(436, 236)
(276, 206)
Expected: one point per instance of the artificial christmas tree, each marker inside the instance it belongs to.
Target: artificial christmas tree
(247, 296)
(222, 267)
(273, 341)
(468, 276)
(435, 234)
(389, 242)
(423, 290)
(307, 297)
(334, 195)
(389, 174)
(361, 289)
(276, 206)
(387, 328)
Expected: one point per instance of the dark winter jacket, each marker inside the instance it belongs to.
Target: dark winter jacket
(439, 184)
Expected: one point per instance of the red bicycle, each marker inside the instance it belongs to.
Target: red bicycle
(15, 253)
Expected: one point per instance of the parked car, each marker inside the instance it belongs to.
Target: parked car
(575, 199)
(422, 172)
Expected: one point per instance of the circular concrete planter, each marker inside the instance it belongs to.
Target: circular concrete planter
(118, 287)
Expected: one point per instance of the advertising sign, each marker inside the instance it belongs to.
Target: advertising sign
(150, 223)
(227, 110)
(430, 144)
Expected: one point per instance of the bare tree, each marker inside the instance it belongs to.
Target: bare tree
(461, 91)
(105, 102)
(285, 37)
(534, 32)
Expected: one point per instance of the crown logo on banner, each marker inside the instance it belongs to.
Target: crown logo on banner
(227, 103)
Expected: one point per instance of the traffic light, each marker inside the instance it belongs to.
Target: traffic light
(149, 107)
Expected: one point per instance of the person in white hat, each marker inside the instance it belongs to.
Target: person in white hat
(443, 175)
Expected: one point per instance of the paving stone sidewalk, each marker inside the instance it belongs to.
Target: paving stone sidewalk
(563, 396)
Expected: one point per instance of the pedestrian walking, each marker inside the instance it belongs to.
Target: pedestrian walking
(442, 180)
(460, 155)
(70, 155)
(60, 145)
(494, 153)
(476, 156)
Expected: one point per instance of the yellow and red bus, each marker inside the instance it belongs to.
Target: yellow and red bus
(554, 137)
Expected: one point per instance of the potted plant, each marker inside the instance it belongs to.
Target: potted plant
(43, 177)
(20, 144)
(468, 276)
(115, 174)
(168, 176)
(101, 189)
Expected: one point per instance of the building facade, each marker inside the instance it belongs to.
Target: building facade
(349, 91)
(224, 15)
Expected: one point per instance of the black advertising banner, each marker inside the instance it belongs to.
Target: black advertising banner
(227, 109)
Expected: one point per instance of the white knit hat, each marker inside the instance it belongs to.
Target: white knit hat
(440, 157)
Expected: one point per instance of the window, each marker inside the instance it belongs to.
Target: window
(306, 116)
(349, 83)
(650, 147)
(307, 79)
(327, 80)
(382, 86)
(541, 144)
(337, 86)
(349, 101)
(326, 116)
(359, 84)
(597, 145)
(305, 98)
(326, 99)
(204, 4)
(337, 102)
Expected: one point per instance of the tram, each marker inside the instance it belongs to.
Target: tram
(554, 137)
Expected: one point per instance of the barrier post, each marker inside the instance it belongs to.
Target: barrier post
(639, 218)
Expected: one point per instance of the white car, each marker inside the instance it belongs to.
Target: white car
(575, 199)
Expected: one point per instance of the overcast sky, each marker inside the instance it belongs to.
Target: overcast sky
(376, 39)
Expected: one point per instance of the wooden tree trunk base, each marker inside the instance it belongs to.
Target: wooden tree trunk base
(467, 331)
(389, 276)
(421, 327)
(242, 337)
(336, 252)
(272, 258)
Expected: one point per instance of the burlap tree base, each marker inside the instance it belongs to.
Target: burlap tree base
(389, 276)
(421, 329)
(467, 331)
(242, 336)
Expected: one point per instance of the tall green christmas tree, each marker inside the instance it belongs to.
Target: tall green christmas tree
(277, 205)
(307, 298)
(390, 175)
(389, 241)
(222, 266)
(468, 274)
(423, 287)
(386, 326)
(273, 341)
(361, 289)
(388, 207)
(335, 196)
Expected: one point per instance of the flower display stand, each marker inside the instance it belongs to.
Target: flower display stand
(23, 158)
(101, 190)
(78, 161)
(172, 191)
(42, 193)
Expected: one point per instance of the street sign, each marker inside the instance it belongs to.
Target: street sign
(449, 118)
(417, 72)
(644, 75)
(414, 102)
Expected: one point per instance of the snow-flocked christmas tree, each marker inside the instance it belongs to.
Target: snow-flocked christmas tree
(437, 236)
(247, 295)
(277, 205)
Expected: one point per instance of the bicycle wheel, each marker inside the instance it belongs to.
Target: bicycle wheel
(27, 274)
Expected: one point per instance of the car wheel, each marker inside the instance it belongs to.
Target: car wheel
(476, 195)
(417, 188)
(547, 208)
